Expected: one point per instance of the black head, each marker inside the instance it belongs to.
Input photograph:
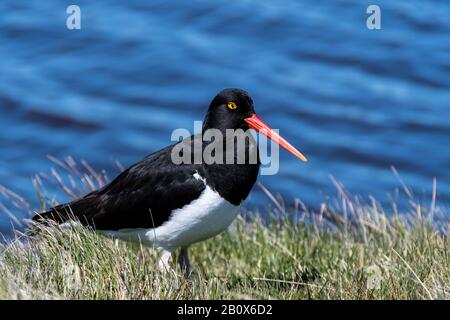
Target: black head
(228, 110)
(233, 109)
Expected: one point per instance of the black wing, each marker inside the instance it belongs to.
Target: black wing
(143, 196)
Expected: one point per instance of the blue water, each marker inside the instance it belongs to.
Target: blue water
(355, 101)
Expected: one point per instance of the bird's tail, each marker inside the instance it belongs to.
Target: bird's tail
(58, 215)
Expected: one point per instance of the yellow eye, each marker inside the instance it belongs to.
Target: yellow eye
(231, 105)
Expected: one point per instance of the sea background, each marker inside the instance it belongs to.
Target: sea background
(355, 101)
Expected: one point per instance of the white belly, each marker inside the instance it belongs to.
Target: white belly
(203, 218)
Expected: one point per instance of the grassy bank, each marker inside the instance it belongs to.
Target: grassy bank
(374, 258)
(350, 250)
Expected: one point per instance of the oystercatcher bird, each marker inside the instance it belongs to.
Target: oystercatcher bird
(169, 205)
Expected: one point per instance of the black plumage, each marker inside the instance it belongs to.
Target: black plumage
(145, 194)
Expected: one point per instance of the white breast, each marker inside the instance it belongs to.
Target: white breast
(205, 217)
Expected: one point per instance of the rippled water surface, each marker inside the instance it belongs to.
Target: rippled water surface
(355, 101)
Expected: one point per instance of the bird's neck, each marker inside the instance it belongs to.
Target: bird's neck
(234, 176)
(232, 182)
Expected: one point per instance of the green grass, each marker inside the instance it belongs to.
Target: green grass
(276, 261)
(360, 253)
